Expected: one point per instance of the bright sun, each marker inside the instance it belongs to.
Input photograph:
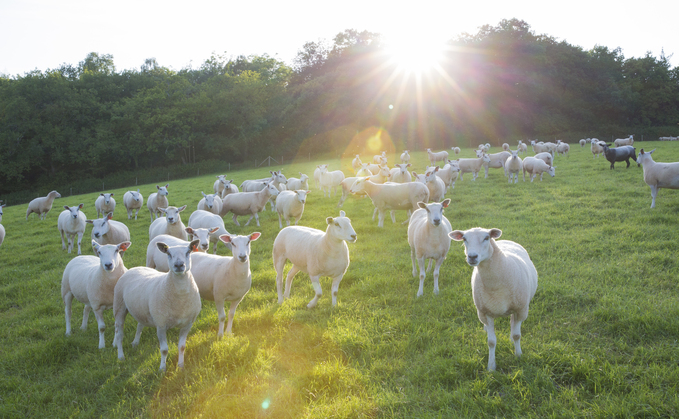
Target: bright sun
(415, 54)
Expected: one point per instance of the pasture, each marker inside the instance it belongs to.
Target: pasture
(601, 338)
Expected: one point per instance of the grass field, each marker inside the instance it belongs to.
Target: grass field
(601, 338)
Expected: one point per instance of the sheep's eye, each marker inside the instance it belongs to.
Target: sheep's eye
(486, 238)
(337, 224)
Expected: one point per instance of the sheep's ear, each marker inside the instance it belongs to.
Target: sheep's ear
(193, 246)
(456, 235)
(112, 194)
(189, 230)
(81, 206)
(167, 185)
(422, 205)
(213, 229)
(495, 233)
(226, 238)
(329, 220)
(95, 247)
(204, 196)
(101, 194)
(89, 221)
(651, 152)
(162, 247)
(109, 215)
(437, 169)
(254, 236)
(163, 210)
(308, 192)
(182, 208)
(343, 214)
(158, 187)
(408, 165)
(66, 206)
(122, 247)
(445, 202)
(138, 190)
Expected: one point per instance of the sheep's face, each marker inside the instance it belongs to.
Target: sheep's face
(642, 158)
(341, 228)
(435, 211)
(454, 165)
(430, 174)
(108, 254)
(486, 158)
(54, 194)
(301, 196)
(74, 211)
(162, 190)
(178, 257)
(552, 171)
(136, 195)
(384, 171)
(303, 178)
(272, 189)
(100, 226)
(172, 213)
(203, 237)
(359, 185)
(107, 198)
(240, 245)
(477, 243)
(209, 200)
(403, 168)
(279, 177)
(515, 154)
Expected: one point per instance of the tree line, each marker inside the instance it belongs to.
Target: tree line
(501, 84)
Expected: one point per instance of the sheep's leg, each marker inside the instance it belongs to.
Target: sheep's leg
(486, 176)
(232, 313)
(280, 222)
(221, 316)
(86, 316)
(288, 280)
(68, 300)
(119, 331)
(492, 341)
(256, 218)
(335, 287)
(162, 340)
(654, 193)
(515, 334)
(279, 264)
(414, 263)
(315, 281)
(135, 213)
(235, 220)
(439, 262)
(374, 213)
(380, 218)
(99, 315)
(137, 335)
(80, 239)
(63, 243)
(181, 344)
(393, 216)
(421, 263)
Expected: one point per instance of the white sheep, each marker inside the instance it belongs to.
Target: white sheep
(539, 147)
(536, 167)
(522, 148)
(2, 234)
(658, 175)
(223, 187)
(158, 200)
(456, 150)
(392, 196)
(224, 278)
(301, 183)
(72, 222)
(208, 220)
(514, 165)
(619, 142)
(108, 231)
(356, 163)
(170, 224)
(428, 239)
(375, 168)
(42, 205)
(497, 161)
(244, 203)
(435, 157)
(504, 281)
(277, 179)
(436, 186)
(160, 300)
(405, 157)
(158, 260)
(317, 177)
(315, 253)
(545, 157)
(211, 203)
(583, 142)
(380, 158)
(133, 201)
(290, 204)
(597, 147)
(104, 204)
(330, 180)
(399, 174)
(563, 148)
(1, 207)
(364, 171)
(505, 147)
(449, 174)
(91, 280)
(472, 166)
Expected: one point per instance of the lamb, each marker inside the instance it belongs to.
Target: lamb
(536, 166)
(435, 157)
(160, 300)
(472, 166)
(91, 280)
(449, 173)
(71, 222)
(107, 231)
(513, 165)
(597, 148)
(356, 163)
(133, 201)
(622, 153)
(104, 204)
(223, 187)
(158, 260)
(405, 157)
(375, 168)
(42, 205)
(497, 161)
(171, 224)
(290, 205)
(224, 278)
(658, 175)
(364, 171)
(563, 148)
(204, 219)
(456, 150)
(505, 147)
(158, 200)
(545, 157)
(504, 281)
(392, 196)
(244, 203)
(330, 180)
(301, 183)
(315, 253)
(211, 203)
(400, 174)
(624, 141)
(435, 185)
(428, 239)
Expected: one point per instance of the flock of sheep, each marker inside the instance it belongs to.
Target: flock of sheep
(179, 271)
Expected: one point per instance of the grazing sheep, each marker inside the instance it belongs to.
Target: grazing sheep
(563, 148)
(536, 167)
(405, 157)
(158, 200)
(428, 239)
(42, 205)
(208, 220)
(107, 231)
(133, 201)
(91, 280)
(449, 174)
(158, 260)
(504, 281)
(624, 141)
(72, 222)
(436, 186)
(301, 183)
(583, 143)
(211, 203)
(545, 157)
(435, 157)
(171, 224)
(364, 171)
(472, 166)
(513, 165)
(597, 148)
(248, 203)
(497, 161)
(290, 205)
(375, 168)
(356, 163)
(315, 253)
(330, 180)
(456, 150)
(277, 179)
(392, 196)
(224, 278)
(160, 300)
(658, 175)
(104, 204)
(622, 153)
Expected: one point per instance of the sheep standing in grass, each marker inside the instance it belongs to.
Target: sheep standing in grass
(513, 165)
(380, 158)
(211, 203)
(449, 174)
(658, 175)
(364, 171)
(42, 205)
(107, 231)
(597, 148)
(158, 260)
(104, 204)
(436, 157)
(91, 280)
(290, 205)
(133, 201)
(301, 183)
(536, 167)
(428, 239)
(497, 161)
(392, 196)
(248, 203)
(624, 141)
(356, 163)
(505, 147)
(405, 157)
(330, 180)
(224, 278)
(622, 153)
(315, 253)
(582, 142)
(2, 234)
(208, 220)
(400, 174)
(456, 150)
(170, 224)
(160, 300)
(563, 148)
(436, 186)
(545, 157)
(223, 187)
(503, 282)
(472, 166)
(72, 222)
(158, 200)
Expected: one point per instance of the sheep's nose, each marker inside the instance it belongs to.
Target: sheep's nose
(472, 257)
(353, 237)
(96, 235)
(437, 222)
(108, 266)
(204, 246)
(242, 258)
(179, 267)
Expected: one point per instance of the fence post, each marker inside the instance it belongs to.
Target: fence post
(102, 187)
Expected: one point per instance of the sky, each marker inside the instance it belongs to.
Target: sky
(44, 34)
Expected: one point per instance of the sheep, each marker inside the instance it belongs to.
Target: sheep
(277, 179)
(2, 234)
(456, 150)
(158, 200)
(484, 148)
(522, 148)
(107, 231)
(42, 205)
(435, 157)
(621, 153)
(514, 164)
(223, 187)
(428, 239)
(435, 185)
(545, 157)
(71, 222)
(405, 157)
(91, 280)
(330, 180)
(364, 171)
(381, 177)
(658, 175)
(472, 166)
(583, 142)
(224, 278)
(539, 147)
(211, 203)
(301, 183)
(317, 177)
(551, 148)
(356, 163)
(504, 282)
(133, 201)
(400, 174)
(1, 207)
(536, 166)
(563, 148)
(449, 174)
(290, 205)
(392, 196)
(158, 260)
(374, 168)
(315, 253)
(160, 300)
(244, 203)
(380, 158)
(208, 220)
(597, 148)
(505, 147)
(624, 141)
(171, 224)
(497, 161)
(104, 204)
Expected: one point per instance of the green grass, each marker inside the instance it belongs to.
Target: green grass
(600, 339)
